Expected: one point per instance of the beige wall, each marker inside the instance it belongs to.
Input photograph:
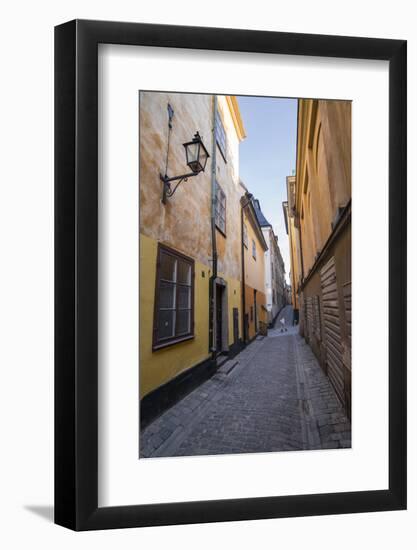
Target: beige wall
(323, 215)
(184, 221)
(295, 262)
(189, 209)
(294, 241)
(323, 171)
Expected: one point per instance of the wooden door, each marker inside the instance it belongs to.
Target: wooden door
(219, 315)
(235, 325)
(309, 317)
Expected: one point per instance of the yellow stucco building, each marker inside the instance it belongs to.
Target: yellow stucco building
(190, 246)
(253, 270)
(291, 226)
(319, 226)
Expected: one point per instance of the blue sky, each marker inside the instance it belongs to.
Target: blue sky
(267, 156)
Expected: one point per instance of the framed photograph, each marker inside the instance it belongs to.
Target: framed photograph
(230, 284)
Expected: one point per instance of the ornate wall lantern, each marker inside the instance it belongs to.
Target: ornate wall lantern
(196, 158)
(196, 154)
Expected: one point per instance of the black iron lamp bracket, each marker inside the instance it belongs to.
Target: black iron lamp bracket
(167, 191)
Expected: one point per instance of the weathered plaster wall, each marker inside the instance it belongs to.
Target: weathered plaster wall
(227, 175)
(184, 222)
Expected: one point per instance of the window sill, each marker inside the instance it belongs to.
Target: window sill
(168, 343)
(220, 231)
(221, 152)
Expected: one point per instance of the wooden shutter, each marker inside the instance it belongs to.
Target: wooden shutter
(347, 297)
(331, 322)
(316, 317)
(304, 310)
(309, 312)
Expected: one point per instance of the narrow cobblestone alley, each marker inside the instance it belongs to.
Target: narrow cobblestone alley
(273, 396)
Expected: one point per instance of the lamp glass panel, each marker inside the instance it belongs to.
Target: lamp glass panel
(184, 297)
(167, 295)
(168, 267)
(183, 321)
(192, 152)
(166, 323)
(184, 273)
(203, 157)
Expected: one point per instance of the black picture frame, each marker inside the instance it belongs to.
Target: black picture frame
(76, 272)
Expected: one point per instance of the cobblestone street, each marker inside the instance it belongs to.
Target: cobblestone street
(273, 396)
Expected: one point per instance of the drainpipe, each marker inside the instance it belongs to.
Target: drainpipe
(301, 252)
(213, 277)
(243, 276)
(243, 205)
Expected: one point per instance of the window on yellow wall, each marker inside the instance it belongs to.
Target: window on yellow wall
(174, 298)
(253, 249)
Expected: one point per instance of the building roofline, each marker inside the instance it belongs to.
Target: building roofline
(253, 218)
(236, 116)
(263, 222)
(285, 210)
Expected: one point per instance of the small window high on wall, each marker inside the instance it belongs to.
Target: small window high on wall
(220, 212)
(221, 138)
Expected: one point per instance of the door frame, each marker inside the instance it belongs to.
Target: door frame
(221, 284)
